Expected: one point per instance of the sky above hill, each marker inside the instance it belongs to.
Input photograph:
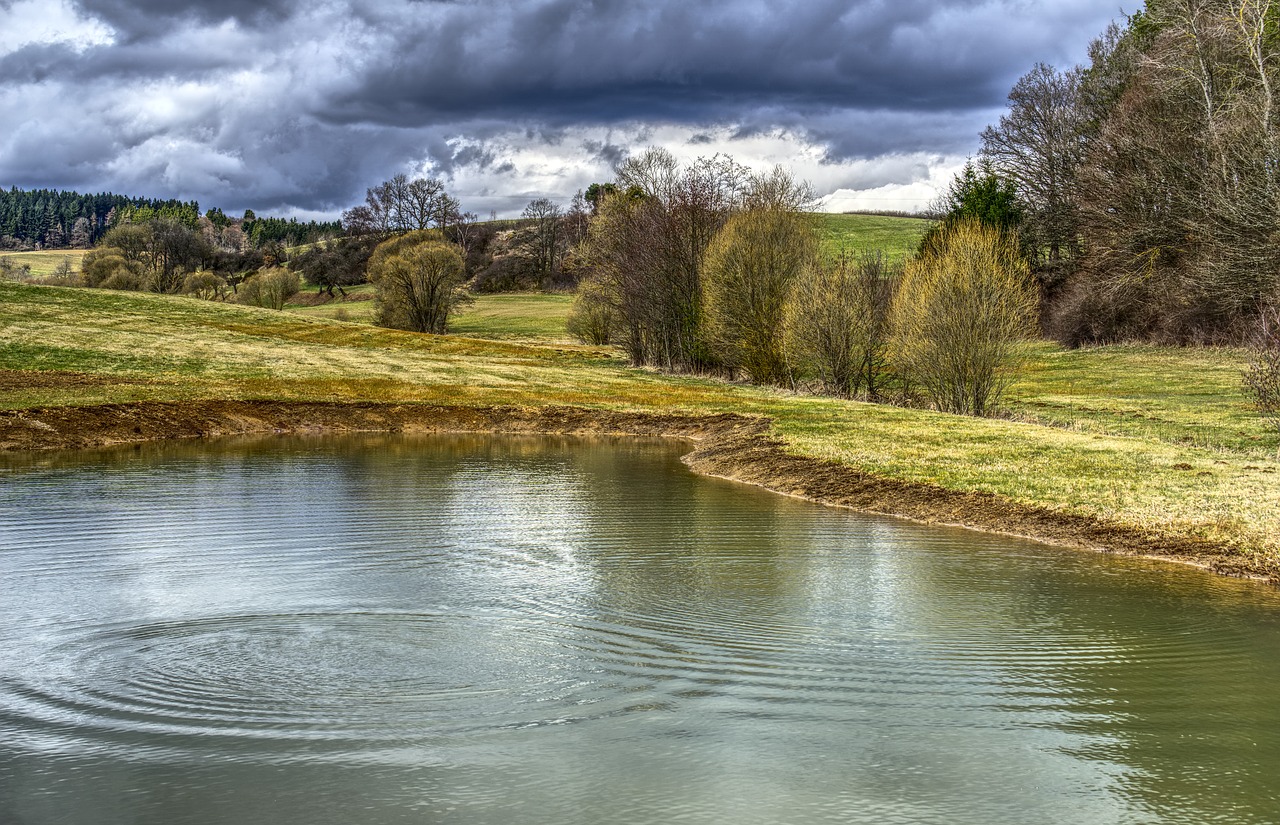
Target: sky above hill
(295, 108)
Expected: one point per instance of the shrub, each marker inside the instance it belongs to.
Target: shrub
(838, 323)
(207, 285)
(593, 318)
(961, 317)
(419, 281)
(1262, 376)
(269, 289)
(125, 278)
(750, 267)
(110, 264)
(10, 270)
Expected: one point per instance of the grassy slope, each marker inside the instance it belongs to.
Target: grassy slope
(898, 237)
(45, 261)
(1106, 432)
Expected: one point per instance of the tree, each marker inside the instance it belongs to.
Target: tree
(419, 281)
(81, 234)
(962, 315)
(1262, 375)
(838, 323)
(335, 265)
(545, 246)
(647, 244)
(1038, 147)
(749, 269)
(401, 205)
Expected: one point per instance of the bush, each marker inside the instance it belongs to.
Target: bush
(961, 317)
(750, 267)
(1262, 376)
(125, 279)
(269, 289)
(109, 264)
(419, 281)
(10, 270)
(593, 318)
(838, 323)
(207, 285)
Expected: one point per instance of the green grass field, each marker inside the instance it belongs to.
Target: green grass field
(44, 262)
(1161, 440)
(897, 237)
(534, 317)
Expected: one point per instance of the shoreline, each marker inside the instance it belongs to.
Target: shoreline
(727, 445)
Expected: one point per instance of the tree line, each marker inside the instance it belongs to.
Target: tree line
(712, 268)
(56, 219)
(1146, 184)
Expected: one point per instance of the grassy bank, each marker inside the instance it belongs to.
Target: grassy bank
(1154, 440)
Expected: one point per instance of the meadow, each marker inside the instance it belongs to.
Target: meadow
(46, 261)
(1146, 438)
(852, 234)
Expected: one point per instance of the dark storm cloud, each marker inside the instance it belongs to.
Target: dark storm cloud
(576, 61)
(135, 20)
(305, 104)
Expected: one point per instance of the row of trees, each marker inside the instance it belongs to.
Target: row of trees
(53, 219)
(1148, 182)
(711, 268)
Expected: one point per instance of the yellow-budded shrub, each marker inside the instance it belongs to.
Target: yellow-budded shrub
(962, 317)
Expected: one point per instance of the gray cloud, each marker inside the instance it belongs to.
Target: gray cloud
(300, 106)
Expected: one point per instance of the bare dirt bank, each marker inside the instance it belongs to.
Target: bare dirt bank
(727, 446)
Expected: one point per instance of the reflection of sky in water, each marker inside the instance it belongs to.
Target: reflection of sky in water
(482, 630)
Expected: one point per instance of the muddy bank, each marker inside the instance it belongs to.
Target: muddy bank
(727, 446)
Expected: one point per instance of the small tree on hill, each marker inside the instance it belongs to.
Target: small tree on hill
(419, 281)
(962, 315)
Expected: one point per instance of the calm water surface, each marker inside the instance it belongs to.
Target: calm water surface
(476, 630)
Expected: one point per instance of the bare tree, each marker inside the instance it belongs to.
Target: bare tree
(647, 244)
(1179, 192)
(1039, 146)
(546, 240)
(838, 323)
(1262, 375)
(401, 205)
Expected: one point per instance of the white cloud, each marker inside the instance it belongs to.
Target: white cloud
(43, 22)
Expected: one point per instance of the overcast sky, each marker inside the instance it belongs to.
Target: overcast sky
(294, 108)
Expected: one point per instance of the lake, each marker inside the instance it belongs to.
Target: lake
(472, 629)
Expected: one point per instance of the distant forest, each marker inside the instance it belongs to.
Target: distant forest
(54, 219)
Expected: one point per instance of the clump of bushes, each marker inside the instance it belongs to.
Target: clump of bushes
(208, 285)
(270, 289)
